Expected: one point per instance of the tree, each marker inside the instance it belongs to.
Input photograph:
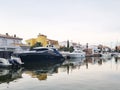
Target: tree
(116, 49)
(68, 48)
(71, 49)
(37, 44)
(68, 44)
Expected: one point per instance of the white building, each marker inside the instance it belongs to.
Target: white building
(64, 43)
(75, 45)
(8, 42)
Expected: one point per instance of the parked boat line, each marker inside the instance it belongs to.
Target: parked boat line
(52, 55)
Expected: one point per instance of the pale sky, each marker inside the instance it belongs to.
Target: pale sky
(84, 21)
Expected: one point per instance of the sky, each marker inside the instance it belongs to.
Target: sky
(83, 21)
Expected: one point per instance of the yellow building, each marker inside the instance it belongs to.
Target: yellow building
(31, 41)
(43, 40)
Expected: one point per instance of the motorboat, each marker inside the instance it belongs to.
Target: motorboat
(15, 61)
(4, 62)
(77, 53)
(10, 62)
(40, 54)
(117, 55)
(106, 55)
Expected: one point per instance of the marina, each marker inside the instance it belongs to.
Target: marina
(59, 45)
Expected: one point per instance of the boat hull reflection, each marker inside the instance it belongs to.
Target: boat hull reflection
(41, 70)
(41, 63)
(9, 75)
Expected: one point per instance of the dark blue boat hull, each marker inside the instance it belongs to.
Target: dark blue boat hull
(41, 58)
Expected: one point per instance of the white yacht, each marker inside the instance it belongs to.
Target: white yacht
(106, 55)
(10, 62)
(4, 62)
(77, 53)
(117, 55)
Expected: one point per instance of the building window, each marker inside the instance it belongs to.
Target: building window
(28, 43)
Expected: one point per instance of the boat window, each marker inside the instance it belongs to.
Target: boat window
(77, 51)
(41, 49)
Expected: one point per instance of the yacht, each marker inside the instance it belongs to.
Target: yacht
(10, 62)
(106, 55)
(117, 55)
(40, 54)
(4, 62)
(77, 53)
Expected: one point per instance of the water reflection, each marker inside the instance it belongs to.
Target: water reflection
(96, 60)
(41, 70)
(71, 64)
(117, 60)
(8, 75)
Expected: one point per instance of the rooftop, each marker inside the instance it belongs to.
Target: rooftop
(9, 36)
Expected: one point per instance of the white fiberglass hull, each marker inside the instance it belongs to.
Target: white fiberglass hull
(4, 62)
(77, 55)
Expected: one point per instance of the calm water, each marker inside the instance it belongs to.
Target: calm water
(77, 74)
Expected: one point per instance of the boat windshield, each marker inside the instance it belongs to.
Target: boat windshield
(40, 49)
(77, 51)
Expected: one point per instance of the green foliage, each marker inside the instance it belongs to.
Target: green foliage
(37, 44)
(70, 49)
(117, 49)
(67, 43)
